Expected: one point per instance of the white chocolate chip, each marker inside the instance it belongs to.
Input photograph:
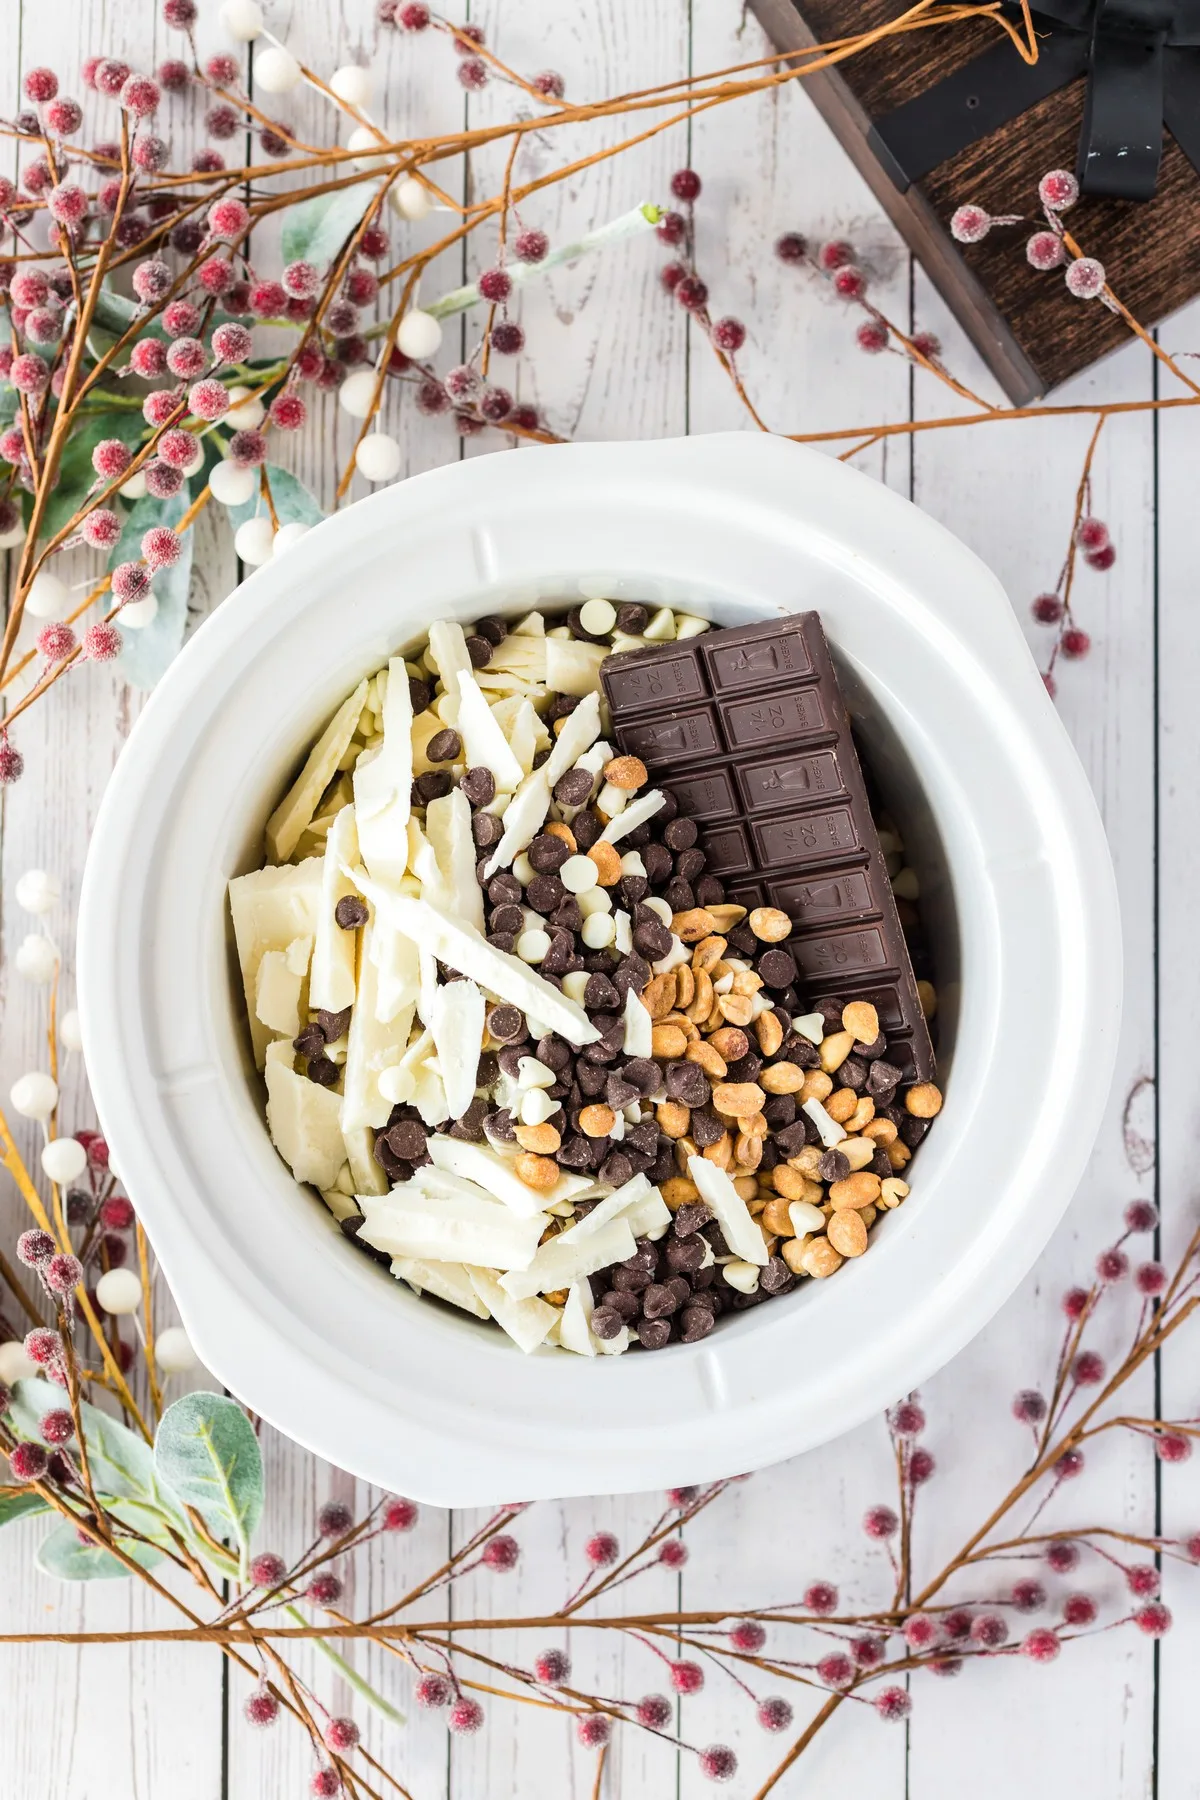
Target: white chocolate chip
(579, 874)
(598, 617)
(741, 1275)
(658, 905)
(831, 1132)
(537, 1106)
(596, 900)
(598, 931)
(531, 946)
(575, 985)
(810, 1026)
(805, 1217)
(632, 864)
(534, 1074)
(523, 869)
(906, 886)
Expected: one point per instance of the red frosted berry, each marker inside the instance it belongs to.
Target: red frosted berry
(467, 38)
(872, 337)
(868, 1651)
(231, 343)
(654, 1712)
(1029, 1407)
(267, 1570)
(341, 1735)
(116, 1214)
(671, 228)
(1111, 1265)
(524, 418)
(531, 246)
(187, 237)
(228, 218)
(342, 319)
(969, 224)
(1062, 1556)
(325, 1784)
(774, 1713)
(288, 412)
(880, 1522)
(261, 1709)
(671, 274)
(465, 1717)
(399, 1515)
(462, 382)
(28, 1462)
(40, 85)
(893, 1704)
(1069, 1465)
(836, 1670)
(686, 1677)
(130, 581)
(161, 547)
(325, 1589)
(729, 335)
(148, 358)
(222, 69)
(835, 255)
(43, 1346)
(215, 275)
(1047, 609)
(1058, 190)
(1154, 1620)
(472, 73)
(501, 1553)
(792, 247)
(181, 14)
(1091, 534)
(57, 1427)
(64, 117)
(691, 293)
(1079, 1610)
(921, 1467)
(413, 15)
(850, 283)
(43, 326)
(29, 374)
(495, 285)
(1088, 1368)
(1101, 559)
(111, 76)
(1143, 1581)
(373, 244)
(56, 642)
(12, 763)
(1075, 1302)
(508, 339)
(748, 1635)
(140, 96)
(433, 1690)
(1172, 1447)
(1085, 278)
(593, 1730)
(100, 528)
(550, 84)
(181, 319)
(1141, 1215)
(921, 1632)
(29, 287)
(685, 185)
(552, 1667)
(12, 446)
(208, 400)
(159, 406)
(718, 1763)
(37, 177)
(956, 1624)
(248, 449)
(602, 1549)
(1042, 1645)
(1028, 1595)
(208, 161)
(821, 1597)
(301, 280)
(928, 344)
(178, 448)
(495, 404)
(362, 286)
(907, 1419)
(334, 1519)
(110, 458)
(1044, 250)
(174, 77)
(101, 642)
(186, 357)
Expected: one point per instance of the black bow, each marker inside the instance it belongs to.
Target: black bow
(1142, 61)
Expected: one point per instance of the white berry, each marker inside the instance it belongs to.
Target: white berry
(365, 137)
(48, 597)
(411, 199)
(38, 892)
(287, 535)
(276, 71)
(137, 614)
(351, 84)
(357, 393)
(242, 20)
(231, 484)
(119, 1291)
(34, 1095)
(419, 335)
(378, 457)
(246, 410)
(15, 1365)
(173, 1351)
(598, 617)
(36, 958)
(134, 488)
(64, 1160)
(70, 1035)
(255, 540)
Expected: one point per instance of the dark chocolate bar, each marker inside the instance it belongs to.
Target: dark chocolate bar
(748, 730)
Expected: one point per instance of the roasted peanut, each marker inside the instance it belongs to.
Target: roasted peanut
(738, 1099)
(792, 1251)
(807, 1160)
(696, 923)
(847, 1233)
(769, 924)
(817, 1086)
(536, 1171)
(720, 1153)
(701, 1004)
(882, 1130)
(557, 829)
(607, 859)
(746, 1187)
(841, 1105)
(792, 1184)
(677, 1191)
(709, 1058)
(735, 1009)
(755, 1125)
(820, 1258)
(597, 1121)
(782, 1078)
(893, 1191)
(834, 1050)
(728, 915)
(862, 1115)
(861, 1020)
(924, 1101)
(626, 772)
(745, 981)
(747, 1150)
(667, 1042)
(658, 995)
(769, 1032)
(708, 951)
(927, 995)
(859, 1189)
(543, 1139)
(899, 1154)
(858, 1151)
(685, 987)
(730, 1043)
(776, 1218)
(673, 1118)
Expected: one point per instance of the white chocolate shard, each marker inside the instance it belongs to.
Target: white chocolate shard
(634, 814)
(639, 1026)
(449, 1281)
(572, 666)
(383, 781)
(442, 1228)
(448, 654)
(303, 1119)
(448, 830)
(527, 1322)
(490, 1172)
(564, 1259)
(331, 979)
(457, 1026)
(271, 908)
(739, 1229)
(298, 805)
(484, 744)
(278, 987)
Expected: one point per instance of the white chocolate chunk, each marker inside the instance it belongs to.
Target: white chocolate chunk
(532, 1073)
(303, 1119)
(527, 1322)
(366, 1174)
(397, 969)
(331, 979)
(611, 1207)
(484, 744)
(573, 667)
(491, 1173)
(740, 1275)
(448, 829)
(831, 1132)
(383, 783)
(639, 1026)
(564, 1259)
(575, 1326)
(447, 653)
(457, 1026)
(661, 629)
(532, 625)
(622, 931)
(300, 802)
(449, 1228)
(649, 1217)
(811, 1026)
(634, 814)
(271, 908)
(579, 730)
(528, 736)
(739, 1229)
(523, 818)
(279, 984)
(372, 1046)
(449, 1281)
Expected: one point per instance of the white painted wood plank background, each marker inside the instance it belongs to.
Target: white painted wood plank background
(612, 358)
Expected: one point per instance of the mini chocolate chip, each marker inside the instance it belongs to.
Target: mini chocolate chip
(350, 912)
(779, 1110)
(695, 1323)
(776, 1278)
(573, 1153)
(710, 891)
(658, 1302)
(554, 1051)
(834, 1166)
(322, 1071)
(626, 1304)
(689, 864)
(470, 1126)
(573, 788)
(777, 968)
(494, 630)
(654, 1334)
(690, 1217)
(444, 746)
(559, 956)
(669, 808)
(600, 995)
(548, 853)
(679, 895)
(882, 1079)
(606, 1323)
(658, 863)
(853, 1074)
(486, 829)
(311, 1041)
(643, 1073)
(505, 890)
(743, 940)
(831, 1011)
(868, 1052)
(913, 1130)
(432, 786)
(420, 693)
(792, 1139)
(507, 1023)
(652, 940)
(568, 915)
(631, 1281)
(745, 1068)
(642, 1137)
(407, 1139)
(506, 918)
(680, 834)
(591, 1078)
(684, 1254)
(479, 785)
(479, 651)
(705, 1129)
(619, 1093)
(797, 1049)
(545, 893)
(333, 1024)
(687, 1083)
(488, 1070)
(632, 618)
(509, 1059)
(541, 756)
(616, 1169)
(501, 1126)
(633, 890)
(770, 1157)
(586, 828)
(502, 940)
(631, 972)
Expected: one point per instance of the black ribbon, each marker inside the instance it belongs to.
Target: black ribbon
(1142, 62)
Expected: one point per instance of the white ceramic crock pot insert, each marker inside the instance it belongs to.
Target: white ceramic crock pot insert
(325, 1344)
